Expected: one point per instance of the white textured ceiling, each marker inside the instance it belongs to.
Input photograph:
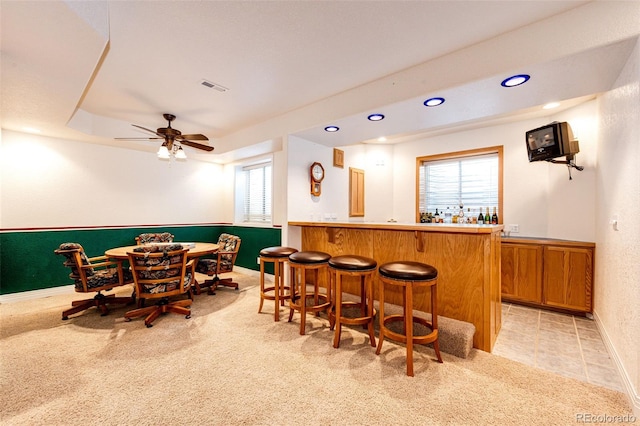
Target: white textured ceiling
(88, 70)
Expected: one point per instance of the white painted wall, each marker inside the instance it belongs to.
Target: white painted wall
(55, 183)
(538, 196)
(617, 276)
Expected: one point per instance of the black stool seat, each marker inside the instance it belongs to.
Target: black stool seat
(408, 270)
(305, 263)
(277, 251)
(309, 257)
(362, 268)
(277, 255)
(352, 263)
(408, 275)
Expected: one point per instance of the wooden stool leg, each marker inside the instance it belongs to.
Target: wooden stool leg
(338, 324)
(434, 321)
(277, 290)
(303, 301)
(293, 283)
(369, 288)
(282, 285)
(381, 309)
(261, 284)
(408, 319)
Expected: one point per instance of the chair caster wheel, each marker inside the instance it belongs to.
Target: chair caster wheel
(127, 319)
(188, 316)
(65, 318)
(149, 325)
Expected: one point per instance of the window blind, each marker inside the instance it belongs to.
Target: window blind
(257, 194)
(471, 181)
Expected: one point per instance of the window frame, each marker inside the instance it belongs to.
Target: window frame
(245, 170)
(499, 150)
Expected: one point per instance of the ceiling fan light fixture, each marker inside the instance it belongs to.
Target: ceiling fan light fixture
(163, 152)
(180, 154)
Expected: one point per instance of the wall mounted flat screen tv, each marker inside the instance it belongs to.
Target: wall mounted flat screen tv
(551, 141)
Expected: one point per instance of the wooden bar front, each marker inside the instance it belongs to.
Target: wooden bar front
(467, 258)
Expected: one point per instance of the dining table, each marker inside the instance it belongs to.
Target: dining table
(196, 250)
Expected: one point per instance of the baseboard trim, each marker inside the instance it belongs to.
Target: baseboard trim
(37, 294)
(69, 289)
(634, 397)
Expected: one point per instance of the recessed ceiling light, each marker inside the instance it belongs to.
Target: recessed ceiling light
(515, 80)
(551, 105)
(331, 129)
(431, 102)
(376, 117)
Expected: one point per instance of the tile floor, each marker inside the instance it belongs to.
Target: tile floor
(564, 344)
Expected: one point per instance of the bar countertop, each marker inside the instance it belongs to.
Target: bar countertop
(397, 226)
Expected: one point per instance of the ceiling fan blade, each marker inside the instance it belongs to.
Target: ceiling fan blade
(196, 145)
(148, 130)
(138, 139)
(195, 137)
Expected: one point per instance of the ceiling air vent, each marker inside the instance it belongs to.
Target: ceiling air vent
(214, 86)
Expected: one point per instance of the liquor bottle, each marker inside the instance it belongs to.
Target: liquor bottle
(469, 215)
(480, 217)
(437, 216)
(447, 216)
(494, 218)
(487, 218)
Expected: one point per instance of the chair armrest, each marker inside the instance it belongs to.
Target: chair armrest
(226, 252)
(100, 261)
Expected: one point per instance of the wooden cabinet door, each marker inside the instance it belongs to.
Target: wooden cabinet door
(356, 192)
(522, 272)
(568, 277)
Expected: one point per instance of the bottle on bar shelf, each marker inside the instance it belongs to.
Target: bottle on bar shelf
(436, 217)
(480, 217)
(487, 218)
(494, 217)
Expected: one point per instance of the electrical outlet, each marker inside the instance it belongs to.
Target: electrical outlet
(258, 260)
(514, 228)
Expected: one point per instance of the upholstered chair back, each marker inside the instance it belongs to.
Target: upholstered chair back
(154, 237)
(92, 274)
(160, 271)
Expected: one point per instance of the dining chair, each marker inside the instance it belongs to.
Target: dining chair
(223, 262)
(154, 237)
(161, 274)
(94, 275)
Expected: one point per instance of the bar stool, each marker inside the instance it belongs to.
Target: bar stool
(409, 275)
(278, 255)
(301, 263)
(354, 266)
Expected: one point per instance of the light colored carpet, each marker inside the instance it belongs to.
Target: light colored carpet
(229, 365)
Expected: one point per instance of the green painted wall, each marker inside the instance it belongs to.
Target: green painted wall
(27, 260)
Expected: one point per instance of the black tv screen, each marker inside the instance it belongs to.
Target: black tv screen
(550, 141)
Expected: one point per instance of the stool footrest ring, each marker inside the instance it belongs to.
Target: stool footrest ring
(420, 339)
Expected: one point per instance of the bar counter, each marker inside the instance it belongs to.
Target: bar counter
(467, 258)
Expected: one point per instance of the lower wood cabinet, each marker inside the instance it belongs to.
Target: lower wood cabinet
(556, 274)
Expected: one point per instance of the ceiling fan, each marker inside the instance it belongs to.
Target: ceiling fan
(173, 139)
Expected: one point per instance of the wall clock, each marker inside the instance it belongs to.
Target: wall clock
(317, 174)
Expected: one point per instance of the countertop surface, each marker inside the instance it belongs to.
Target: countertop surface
(425, 227)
